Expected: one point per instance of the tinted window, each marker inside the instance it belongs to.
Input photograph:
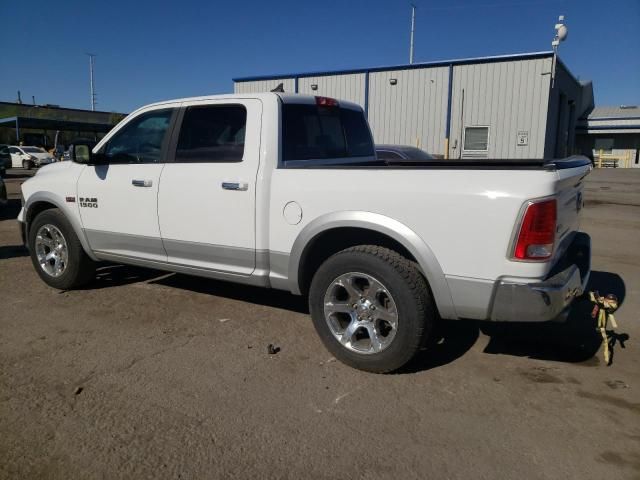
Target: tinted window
(13, 150)
(140, 140)
(212, 134)
(32, 150)
(319, 132)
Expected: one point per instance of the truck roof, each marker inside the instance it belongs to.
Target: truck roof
(285, 97)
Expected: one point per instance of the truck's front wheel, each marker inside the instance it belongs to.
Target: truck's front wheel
(371, 307)
(56, 252)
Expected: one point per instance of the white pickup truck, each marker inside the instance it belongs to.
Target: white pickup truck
(285, 191)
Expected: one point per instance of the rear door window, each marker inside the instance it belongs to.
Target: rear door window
(324, 132)
(212, 133)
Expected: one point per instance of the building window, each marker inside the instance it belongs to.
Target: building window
(476, 139)
(604, 144)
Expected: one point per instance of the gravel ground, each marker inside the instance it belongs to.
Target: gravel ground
(153, 375)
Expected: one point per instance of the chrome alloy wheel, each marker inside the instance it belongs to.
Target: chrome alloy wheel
(51, 250)
(361, 313)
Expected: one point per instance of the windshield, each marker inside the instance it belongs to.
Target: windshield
(32, 150)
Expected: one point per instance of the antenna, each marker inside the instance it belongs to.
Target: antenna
(413, 29)
(91, 82)
(561, 36)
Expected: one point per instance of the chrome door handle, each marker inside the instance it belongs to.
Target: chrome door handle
(142, 183)
(242, 186)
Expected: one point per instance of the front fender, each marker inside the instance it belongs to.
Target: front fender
(387, 226)
(74, 220)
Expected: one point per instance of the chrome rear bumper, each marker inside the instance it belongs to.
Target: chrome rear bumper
(549, 299)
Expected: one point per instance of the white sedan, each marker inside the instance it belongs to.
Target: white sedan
(29, 157)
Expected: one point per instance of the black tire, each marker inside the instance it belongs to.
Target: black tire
(79, 268)
(26, 164)
(416, 311)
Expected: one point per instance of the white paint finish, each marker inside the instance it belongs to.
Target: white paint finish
(292, 213)
(411, 112)
(193, 206)
(122, 208)
(261, 86)
(507, 96)
(466, 218)
(349, 87)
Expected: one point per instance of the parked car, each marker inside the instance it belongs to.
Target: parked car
(3, 192)
(5, 159)
(284, 191)
(402, 153)
(29, 157)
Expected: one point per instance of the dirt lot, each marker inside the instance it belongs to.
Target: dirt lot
(149, 375)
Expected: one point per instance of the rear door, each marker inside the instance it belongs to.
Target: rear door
(206, 202)
(119, 201)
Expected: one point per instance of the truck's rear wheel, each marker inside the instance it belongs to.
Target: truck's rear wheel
(56, 252)
(371, 307)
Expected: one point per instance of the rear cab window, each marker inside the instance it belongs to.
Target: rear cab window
(324, 134)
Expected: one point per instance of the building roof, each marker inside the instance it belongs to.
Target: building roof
(439, 63)
(609, 120)
(629, 112)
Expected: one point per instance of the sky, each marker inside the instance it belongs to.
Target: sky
(155, 50)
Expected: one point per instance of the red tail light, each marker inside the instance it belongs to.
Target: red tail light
(327, 102)
(537, 232)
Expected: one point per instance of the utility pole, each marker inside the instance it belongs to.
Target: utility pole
(92, 85)
(33, 99)
(19, 97)
(413, 28)
(561, 36)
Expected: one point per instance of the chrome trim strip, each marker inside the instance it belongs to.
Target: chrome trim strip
(119, 243)
(234, 258)
(255, 280)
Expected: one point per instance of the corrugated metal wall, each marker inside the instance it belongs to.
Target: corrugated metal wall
(562, 114)
(411, 112)
(264, 85)
(508, 97)
(349, 87)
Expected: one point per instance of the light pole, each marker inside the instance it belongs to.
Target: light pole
(413, 29)
(91, 83)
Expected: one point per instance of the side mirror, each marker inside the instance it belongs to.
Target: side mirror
(81, 153)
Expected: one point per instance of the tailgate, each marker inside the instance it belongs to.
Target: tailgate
(569, 194)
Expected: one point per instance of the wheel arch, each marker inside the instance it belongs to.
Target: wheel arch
(333, 232)
(41, 201)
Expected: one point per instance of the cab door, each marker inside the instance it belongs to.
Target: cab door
(118, 200)
(206, 202)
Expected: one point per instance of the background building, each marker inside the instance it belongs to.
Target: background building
(612, 136)
(494, 107)
(39, 124)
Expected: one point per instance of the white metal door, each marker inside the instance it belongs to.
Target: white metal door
(206, 202)
(118, 207)
(118, 201)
